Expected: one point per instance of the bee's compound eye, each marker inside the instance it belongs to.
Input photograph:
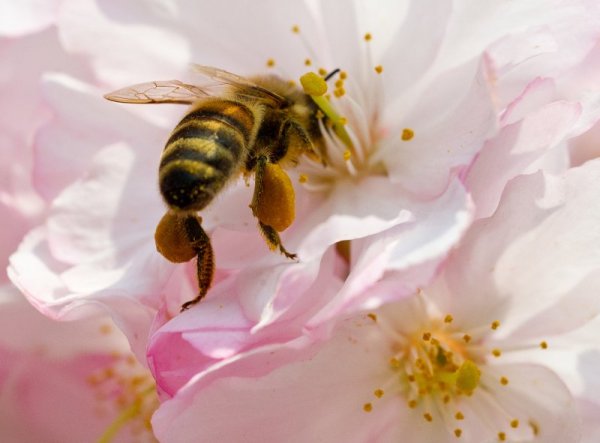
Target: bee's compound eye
(172, 240)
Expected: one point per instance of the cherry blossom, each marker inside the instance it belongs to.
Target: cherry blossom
(465, 358)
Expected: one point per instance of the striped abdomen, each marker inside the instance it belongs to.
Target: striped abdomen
(203, 152)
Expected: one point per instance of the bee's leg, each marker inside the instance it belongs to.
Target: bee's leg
(205, 262)
(273, 240)
(273, 202)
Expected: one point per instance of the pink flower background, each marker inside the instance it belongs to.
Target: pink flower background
(489, 213)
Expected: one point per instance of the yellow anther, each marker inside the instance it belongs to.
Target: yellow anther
(448, 319)
(427, 416)
(270, 63)
(411, 378)
(339, 83)
(368, 37)
(458, 432)
(459, 416)
(339, 92)
(466, 338)
(435, 342)
(495, 325)
(313, 85)
(347, 155)
(372, 316)
(407, 134)
(496, 352)
(514, 423)
(322, 72)
(467, 376)
(378, 393)
(394, 363)
(446, 399)
(503, 381)
(296, 29)
(412, 404)
(501, 436)
(307, 62)
(426, 336)
(303, 178)
(544, 345)
(367, 407)
(378, 69)
(343, 75)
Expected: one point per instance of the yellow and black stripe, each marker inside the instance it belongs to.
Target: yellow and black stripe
(205, 149)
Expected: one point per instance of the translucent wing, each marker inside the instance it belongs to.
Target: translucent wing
(228, 78)
(170, 91)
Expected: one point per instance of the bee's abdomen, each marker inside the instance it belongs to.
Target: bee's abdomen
(204, 151)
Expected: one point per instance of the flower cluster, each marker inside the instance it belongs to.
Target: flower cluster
(447, 228)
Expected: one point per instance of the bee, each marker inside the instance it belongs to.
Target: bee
(246, 126)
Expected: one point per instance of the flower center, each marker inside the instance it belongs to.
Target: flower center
(447, 377)
(128, 390)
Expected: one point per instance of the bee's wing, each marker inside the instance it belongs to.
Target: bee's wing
(228, 78)
(169, 91)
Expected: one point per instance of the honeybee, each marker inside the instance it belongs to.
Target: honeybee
(258, 126)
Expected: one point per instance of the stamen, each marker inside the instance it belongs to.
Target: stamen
(270, 63)
(378, 393)
(448, 319)
(378, 69)
(296, 29)
(303, 178)
(407, 134)
(458, 432)
(495, 325)
(322, 72)
(503, 381)
(501, 436)
(367, 407)
(544, 345)
(466, 338)
(427, 416)
(307, 62)
(514, 423)
(459, 416)
(368, 37)
(468, 376)
(372, 316)
(496, 352)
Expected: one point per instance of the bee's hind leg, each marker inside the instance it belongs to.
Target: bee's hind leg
(205, 261)
(273, 202)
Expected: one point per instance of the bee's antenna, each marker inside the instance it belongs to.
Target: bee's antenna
(332, 73)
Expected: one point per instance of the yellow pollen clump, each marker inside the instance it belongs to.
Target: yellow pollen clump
(322, 72)
(378, 69)
(458, 432)
(427, 416)
(270, 63)
(367, 407)
(468, 376)
(378, 393)
(448, 319)
(503, 381)
(296, 29)
(544, 345)
(496, 352)
(372, 316)
(501, 436)
(407, 134)
(278, 211)
(303, 178)
(495, 325)
(514, 423)
(368, 37)
(307, 62)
